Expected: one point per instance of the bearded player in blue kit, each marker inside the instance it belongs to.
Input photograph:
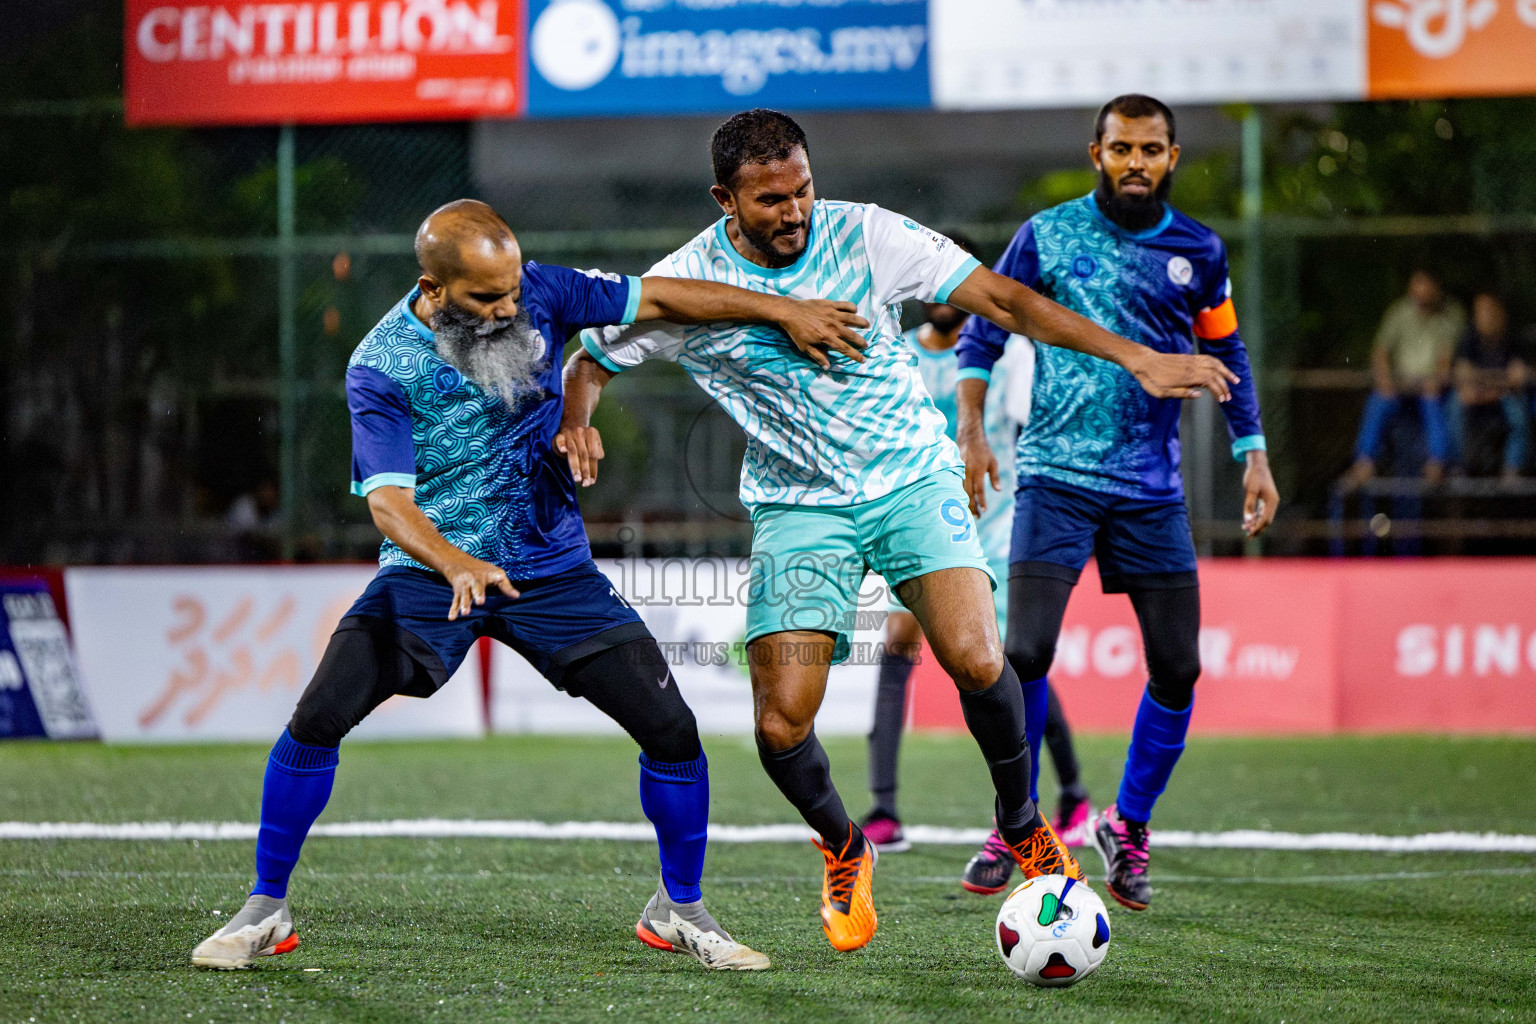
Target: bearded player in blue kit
(456, 403)
(1098, 461)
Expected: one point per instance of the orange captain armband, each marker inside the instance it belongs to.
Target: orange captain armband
(1217, 322)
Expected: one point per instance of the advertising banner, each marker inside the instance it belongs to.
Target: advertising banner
(1452, 48)
(1286, 646)
(235, 62)
(696, 609)
(39, 686)
(1433, 646)
(172, 654)
(1309, 646)
(719, 56)
(1266, 652)
(999, 54)
(338, 61)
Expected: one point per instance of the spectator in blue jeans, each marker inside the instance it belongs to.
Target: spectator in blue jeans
(1411, 363)
(1490, 391)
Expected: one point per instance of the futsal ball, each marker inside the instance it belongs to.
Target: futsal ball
(1053, 931)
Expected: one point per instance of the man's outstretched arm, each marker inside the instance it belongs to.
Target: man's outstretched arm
(814, 325)
(971, 436)
(1022, 310)
(580, 443)
(398, 517)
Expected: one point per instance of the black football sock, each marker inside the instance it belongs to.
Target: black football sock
(1013, 835)
(885, 737)
(804, 775)
(995, 717)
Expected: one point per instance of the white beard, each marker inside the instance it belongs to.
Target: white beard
(504, 357)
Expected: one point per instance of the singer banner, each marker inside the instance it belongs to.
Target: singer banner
(1297, 646)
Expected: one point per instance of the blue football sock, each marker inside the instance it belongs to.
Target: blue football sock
(1037, 704)
(675, 797)
(297, 785)
(1156, 743)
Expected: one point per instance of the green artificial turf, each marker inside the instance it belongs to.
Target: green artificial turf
(464, 930)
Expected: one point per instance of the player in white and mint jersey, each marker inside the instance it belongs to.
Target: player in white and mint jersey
(848, 470)
(932, 350)
(814, 438)
(1006, 410)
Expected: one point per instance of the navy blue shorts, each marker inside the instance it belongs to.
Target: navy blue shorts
(558, 620)
(1139, 544)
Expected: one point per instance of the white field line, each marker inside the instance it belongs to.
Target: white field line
(439, 828)
(501, 878)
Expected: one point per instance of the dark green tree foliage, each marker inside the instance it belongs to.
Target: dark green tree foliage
(139, 389)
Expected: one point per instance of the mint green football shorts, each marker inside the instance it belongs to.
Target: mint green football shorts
(999, 567)
(809, 562)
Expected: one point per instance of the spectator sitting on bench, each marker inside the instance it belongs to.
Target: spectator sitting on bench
(1488, 419)
(1411, 364)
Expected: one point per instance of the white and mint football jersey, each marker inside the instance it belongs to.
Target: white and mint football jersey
(815, 437)
(938, 370)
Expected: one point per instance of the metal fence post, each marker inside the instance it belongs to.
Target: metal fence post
(1253, 262)
(287, 341)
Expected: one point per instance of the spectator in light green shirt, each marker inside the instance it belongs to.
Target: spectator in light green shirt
(1411, 363)
(1416, 339)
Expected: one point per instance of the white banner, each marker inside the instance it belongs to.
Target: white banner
(194, 654)
(224, 653)
(991, 54)
(696, 608)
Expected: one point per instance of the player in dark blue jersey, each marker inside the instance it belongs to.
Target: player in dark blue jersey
(456, 403)
(1098, 461)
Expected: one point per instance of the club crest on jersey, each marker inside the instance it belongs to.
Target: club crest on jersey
(1084, 266)
(447, 379)
(1180, 271)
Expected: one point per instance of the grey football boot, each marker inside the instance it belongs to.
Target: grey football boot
(689, 929)
(263, 927)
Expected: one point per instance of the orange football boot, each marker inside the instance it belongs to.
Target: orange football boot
(847, 903)
(1043, 853)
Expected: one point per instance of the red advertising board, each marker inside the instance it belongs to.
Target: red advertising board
(1310, 646)
(352, 60)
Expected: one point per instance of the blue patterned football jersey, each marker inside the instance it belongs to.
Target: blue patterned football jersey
(1091, 423)
(487, 476)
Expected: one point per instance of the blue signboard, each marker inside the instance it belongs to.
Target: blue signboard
(39, 689)
(615, 57)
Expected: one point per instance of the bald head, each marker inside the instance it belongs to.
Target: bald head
(460, 234)
(470, 259)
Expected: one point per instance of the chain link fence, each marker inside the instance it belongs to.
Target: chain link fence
(173, 357)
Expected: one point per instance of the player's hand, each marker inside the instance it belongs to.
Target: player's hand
(1260, 497)
(583, 448)
(817, 326)
(1167, 375)
(471, 580)
(980, 467)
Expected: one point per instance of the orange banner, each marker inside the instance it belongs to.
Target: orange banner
(353, 60)
(1433, 48)
(1309, 646)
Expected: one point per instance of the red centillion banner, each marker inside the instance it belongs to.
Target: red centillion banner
(348, 61)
